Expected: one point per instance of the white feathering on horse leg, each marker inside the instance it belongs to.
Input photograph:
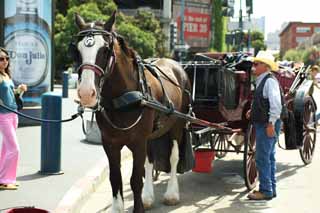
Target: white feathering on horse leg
(172, 196)
(117, 204)
(147, 192)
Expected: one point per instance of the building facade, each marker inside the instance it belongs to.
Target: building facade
(255, 24)
(273, 41)
(296, 33)
(196, 16)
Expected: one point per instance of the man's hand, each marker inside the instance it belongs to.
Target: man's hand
(248, 114)
(270, 130)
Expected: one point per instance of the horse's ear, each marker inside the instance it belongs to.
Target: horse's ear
(79, 21)
(108, 26)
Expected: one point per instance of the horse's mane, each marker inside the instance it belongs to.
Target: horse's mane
(121, 41)
(123, 44)
(125, 48)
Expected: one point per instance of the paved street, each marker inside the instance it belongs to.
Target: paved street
(223, 190)
(77, 158)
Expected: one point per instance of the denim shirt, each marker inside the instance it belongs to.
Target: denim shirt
(7, 95)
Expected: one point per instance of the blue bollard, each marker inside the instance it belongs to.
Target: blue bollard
(65, 84)
(51, 134)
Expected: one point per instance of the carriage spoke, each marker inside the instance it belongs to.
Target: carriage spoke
(251, 174)
(309, 131)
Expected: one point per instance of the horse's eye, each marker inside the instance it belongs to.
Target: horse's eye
(106, 49)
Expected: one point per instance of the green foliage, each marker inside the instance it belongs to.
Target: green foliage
(144, 43)
(257, 35)
(311, 56)
(257, 41)
(258, 45)
(143, 33)
(65, 28)
(293, 55)
(147, 22)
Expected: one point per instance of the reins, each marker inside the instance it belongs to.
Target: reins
(74, 116)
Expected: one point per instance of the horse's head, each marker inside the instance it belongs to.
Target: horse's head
(94, 53)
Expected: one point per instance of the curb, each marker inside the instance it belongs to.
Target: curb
(77, 195)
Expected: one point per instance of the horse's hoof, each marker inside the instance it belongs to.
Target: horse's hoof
(147, 201)
(171, 201)
(147, 206)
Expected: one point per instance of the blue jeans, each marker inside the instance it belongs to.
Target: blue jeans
(265, 158)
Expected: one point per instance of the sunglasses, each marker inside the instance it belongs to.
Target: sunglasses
(4, 58)
(256, 63)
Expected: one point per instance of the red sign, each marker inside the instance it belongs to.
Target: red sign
(195, 24)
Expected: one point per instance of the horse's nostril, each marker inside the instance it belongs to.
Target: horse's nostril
(93, 93)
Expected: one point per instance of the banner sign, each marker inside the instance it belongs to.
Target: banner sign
(27, 38)
(195, 24)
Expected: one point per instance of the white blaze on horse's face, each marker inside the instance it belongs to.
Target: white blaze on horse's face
(88, 48)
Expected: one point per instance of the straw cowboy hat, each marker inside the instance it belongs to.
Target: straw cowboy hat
(266, 58)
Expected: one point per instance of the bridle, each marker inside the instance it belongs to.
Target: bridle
(111, 57)
(102, 72)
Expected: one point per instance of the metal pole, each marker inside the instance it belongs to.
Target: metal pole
(240, 23)
(2, 23)
(249, 33)
(53, 67)
(65, 84)
(212, 24)
(182, 22)
(51, 134)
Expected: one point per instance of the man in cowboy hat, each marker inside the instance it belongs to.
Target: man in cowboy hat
(265, 116)
(313, 73)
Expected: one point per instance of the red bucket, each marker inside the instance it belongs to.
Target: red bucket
(26, 210)
(203, 158)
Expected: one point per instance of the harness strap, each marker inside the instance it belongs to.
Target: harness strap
(166, 100)
(74, 116)
(105, 115)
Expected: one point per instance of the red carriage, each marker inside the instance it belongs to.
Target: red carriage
(221, 92)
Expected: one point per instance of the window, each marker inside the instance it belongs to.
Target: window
(300, 40)
(317, 29)
(303, 29)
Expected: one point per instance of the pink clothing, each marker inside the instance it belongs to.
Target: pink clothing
(9, 155)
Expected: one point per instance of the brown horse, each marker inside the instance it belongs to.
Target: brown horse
(109, 69)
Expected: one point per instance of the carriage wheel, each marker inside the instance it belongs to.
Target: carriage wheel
(309, 131)
(220, 142)
(249, 163)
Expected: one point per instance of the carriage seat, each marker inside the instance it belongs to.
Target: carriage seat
(231, 91)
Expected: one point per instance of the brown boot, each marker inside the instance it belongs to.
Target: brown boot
(256, 195)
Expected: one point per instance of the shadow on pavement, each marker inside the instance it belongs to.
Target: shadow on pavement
(31, 177)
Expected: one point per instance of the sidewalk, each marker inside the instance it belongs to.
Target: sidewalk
(84, 165)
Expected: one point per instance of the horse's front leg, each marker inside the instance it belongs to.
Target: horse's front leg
(147, 192)
(139, 155)
(172, 196)
(114, 156)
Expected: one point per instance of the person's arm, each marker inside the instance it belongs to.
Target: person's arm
(271, 91)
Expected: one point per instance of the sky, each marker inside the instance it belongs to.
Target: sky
(279, 11)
